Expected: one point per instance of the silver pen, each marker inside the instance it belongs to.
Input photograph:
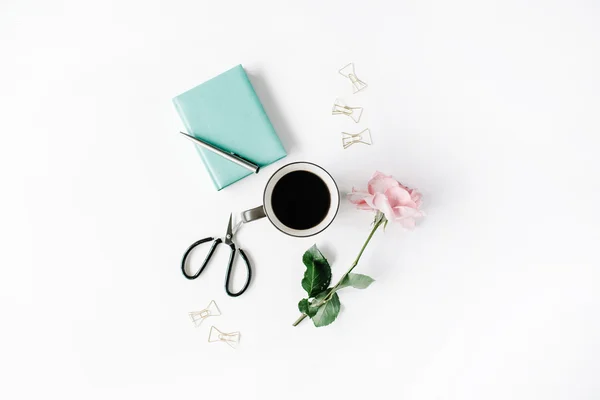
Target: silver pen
(223, 153)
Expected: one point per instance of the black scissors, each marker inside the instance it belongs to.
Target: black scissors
(217, 241)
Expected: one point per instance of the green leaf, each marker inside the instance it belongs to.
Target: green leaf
(317, 302)
(328, 312)
(318, 272)
(305, 308)
(321, 295)
(358, 281)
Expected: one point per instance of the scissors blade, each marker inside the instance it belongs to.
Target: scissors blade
(229, 234)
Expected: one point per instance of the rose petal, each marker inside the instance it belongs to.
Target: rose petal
(416, 196)
(397, 202)
(357, 197)
(408, 223)
(360, 199)
(364, 206)
(382, 204)
(407, 212)
(379, 174)
(406, 216)
(370, 202)
(380, 183)
(398, 196)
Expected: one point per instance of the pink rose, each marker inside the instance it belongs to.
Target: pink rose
(385, 194)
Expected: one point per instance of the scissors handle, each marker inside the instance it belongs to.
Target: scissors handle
(230, 268)
(206, 259)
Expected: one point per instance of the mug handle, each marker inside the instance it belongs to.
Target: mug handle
(253, 214)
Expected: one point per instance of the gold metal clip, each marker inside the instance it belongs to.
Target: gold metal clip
(364, 137)
(212, 310)
(348, 72)
(232, 339)
(339, 108)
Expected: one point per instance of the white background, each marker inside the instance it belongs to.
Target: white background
(490, 108)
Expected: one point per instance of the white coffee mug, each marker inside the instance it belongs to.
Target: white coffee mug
(267, 210)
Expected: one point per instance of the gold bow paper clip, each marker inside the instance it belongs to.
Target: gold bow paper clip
(232, 339)
(353, 112)
(364, 137)
(212, 310)
(348, 72)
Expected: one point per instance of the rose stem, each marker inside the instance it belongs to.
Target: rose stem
(380, 220)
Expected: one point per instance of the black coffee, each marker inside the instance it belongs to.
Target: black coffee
(300, 200)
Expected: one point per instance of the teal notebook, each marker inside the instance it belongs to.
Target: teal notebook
(226, 112)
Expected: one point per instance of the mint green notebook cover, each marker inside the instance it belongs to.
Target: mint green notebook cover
(226, 112)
